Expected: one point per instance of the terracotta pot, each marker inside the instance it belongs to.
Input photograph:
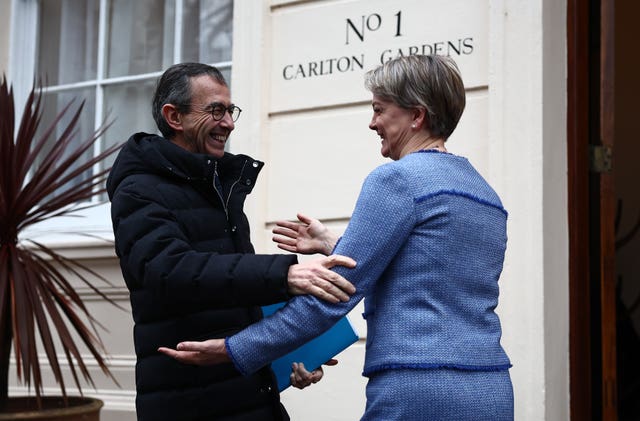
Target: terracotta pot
(53, 409)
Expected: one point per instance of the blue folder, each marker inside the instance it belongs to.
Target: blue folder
(315, 352)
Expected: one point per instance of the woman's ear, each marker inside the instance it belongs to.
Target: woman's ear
(172, 116)
(420, 119)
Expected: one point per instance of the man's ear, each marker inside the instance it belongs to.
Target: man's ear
(172, 116)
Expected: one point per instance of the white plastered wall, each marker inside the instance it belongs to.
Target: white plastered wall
(514, 131)
(5, 15)
(528, 146)
(340, 396)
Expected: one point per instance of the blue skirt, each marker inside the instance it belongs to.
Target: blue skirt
(439, 394)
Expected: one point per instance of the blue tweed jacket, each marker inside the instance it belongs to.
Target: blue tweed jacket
(429, 236)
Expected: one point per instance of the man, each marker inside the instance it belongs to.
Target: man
(185, 253)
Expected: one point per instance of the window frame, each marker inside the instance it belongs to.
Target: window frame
(91, 224)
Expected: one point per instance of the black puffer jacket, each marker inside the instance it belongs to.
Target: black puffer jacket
(187, 260)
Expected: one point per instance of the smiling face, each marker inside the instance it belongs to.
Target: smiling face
(197, 131)
(393, 125)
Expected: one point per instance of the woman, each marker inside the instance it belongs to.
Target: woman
(429, 236)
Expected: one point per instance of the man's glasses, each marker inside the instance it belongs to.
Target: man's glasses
(218, 110)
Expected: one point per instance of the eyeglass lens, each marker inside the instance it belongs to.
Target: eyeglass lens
(218, 112)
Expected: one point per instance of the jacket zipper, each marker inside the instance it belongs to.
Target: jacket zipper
(225, 203)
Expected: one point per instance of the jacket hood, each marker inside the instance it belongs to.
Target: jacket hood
(146, 153)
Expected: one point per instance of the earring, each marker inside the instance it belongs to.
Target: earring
(413, 126)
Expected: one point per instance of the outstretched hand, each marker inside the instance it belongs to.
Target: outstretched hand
(301, 378)
(207, 352)
(315, 277)
(308, 236)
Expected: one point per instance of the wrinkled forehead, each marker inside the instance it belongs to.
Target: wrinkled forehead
(206, 90)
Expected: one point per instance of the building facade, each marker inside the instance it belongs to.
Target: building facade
(296, 69)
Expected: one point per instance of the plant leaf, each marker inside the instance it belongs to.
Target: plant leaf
(35, 293)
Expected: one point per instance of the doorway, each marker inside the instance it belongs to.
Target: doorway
(604, 210)
(626, 173)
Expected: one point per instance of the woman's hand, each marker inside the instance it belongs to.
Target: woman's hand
(301, 378)
(308, 236)
(207, 352)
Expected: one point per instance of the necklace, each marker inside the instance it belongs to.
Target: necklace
(437, 148)
(433, 144)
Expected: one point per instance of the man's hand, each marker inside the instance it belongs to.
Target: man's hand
(301, 378)
(308, 236)
(207, 352)
(315, 277)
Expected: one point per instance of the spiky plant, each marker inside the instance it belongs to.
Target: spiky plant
(36, 299)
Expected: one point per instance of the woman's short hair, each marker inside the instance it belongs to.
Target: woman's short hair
(174, 87)
(431, 82)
